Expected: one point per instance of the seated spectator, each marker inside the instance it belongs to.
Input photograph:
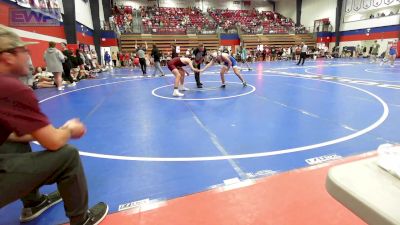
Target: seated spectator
(24, 171)
(42, 79)
(41, 72)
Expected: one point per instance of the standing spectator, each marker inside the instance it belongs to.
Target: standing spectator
(54, 59)
(264, 54)
(303, 53)
(273, 53)
(107, 59)
(293, 50)
(374, 51)
(155, 53)
(24, 171)
(121, 59)
(392, 54)
(297, 52)
(127, 59)
(364, 51)
(358, 51)
(243, 57)
(114, 59)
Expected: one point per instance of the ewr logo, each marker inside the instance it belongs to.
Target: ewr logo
(26, 17)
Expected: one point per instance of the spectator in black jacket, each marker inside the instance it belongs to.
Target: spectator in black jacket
(155, 53)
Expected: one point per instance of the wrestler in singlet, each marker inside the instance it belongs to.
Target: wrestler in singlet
(175, 63)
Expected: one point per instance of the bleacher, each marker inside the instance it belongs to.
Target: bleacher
(172, 20)
(169, 26)
(308, 39)
(282, 40)
(164, 42)
(252, 21)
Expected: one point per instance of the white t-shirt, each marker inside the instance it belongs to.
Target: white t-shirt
(304, 48)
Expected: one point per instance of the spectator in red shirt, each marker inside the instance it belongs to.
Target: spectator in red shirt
(22, 171)
(121, 59)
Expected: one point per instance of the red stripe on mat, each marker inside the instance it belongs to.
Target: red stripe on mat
(293, 198)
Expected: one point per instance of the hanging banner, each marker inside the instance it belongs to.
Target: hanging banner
(56, 10)
(367, 4)
(388, 2)
(377, 3)
(24, 3)
(50, 8)
(34, 4)
(357, 5)
(349, 5)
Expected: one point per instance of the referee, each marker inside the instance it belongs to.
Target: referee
(199, 53)
(303, 53)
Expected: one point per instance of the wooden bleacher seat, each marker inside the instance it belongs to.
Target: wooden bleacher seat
(282, 40)
(164, 42)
